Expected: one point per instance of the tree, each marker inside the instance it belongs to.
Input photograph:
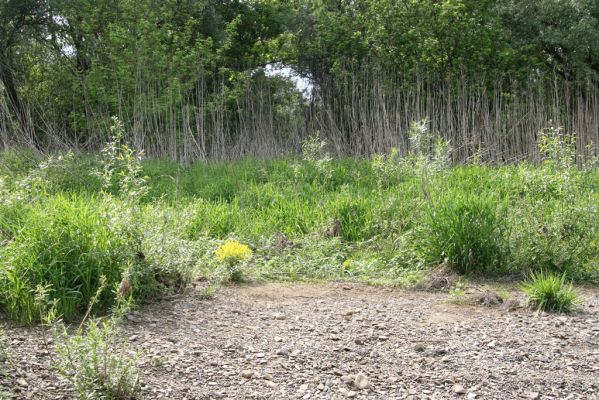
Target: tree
(21, 21)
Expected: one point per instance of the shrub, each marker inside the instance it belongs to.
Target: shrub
(466, 232)
(121, 168)
(549, 292)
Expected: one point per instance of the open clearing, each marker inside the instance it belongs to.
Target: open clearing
(302, 341)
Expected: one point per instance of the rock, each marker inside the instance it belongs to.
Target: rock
(22, 382)
(349, 379)
(247, 373)
(351, 394)
(534, 395)
(283, 352)
(303, 388)
(472, 396)
(459, 389)
(272, 385)
(419, 348)
(361, 381)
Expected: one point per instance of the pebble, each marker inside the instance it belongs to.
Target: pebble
(361, 381)
(247, 373)
(459, 389)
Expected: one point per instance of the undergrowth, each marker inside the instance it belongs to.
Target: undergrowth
(159, 224)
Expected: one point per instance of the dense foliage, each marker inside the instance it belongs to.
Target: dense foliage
(189, 78)
(389, 218)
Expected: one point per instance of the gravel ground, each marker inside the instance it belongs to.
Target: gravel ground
(338, 341)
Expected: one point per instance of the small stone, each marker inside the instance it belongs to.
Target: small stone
(361, 381)
(351, 394)
(349, 379)
(278, 339)
(304, 388)
(260, 355)
(419, 348)
(459, 389)
(272, 385)
(472, 396)
(283, 352)
(22, 382)
(359, 341)
(534, 395)
(247, 373)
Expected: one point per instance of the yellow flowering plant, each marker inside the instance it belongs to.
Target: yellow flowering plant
(233, 253)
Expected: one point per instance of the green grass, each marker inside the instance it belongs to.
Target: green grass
(396, 217)
(550, 292)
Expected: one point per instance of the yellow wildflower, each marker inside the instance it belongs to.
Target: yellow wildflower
(232, 252)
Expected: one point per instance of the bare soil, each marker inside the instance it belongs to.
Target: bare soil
(340, 340)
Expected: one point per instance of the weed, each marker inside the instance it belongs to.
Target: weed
(95, 359)
(121, 169)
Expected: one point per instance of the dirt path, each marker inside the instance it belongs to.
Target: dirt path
(322, 342)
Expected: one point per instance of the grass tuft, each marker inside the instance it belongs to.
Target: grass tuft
(549, 292)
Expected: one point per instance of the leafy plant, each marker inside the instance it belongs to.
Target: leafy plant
(121, 169)
(95, 359)
(550, 292)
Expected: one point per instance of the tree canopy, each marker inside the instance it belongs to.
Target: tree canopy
(67, 65)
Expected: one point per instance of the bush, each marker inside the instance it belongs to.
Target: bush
(466, 232)
(66, 244)
(549, 292)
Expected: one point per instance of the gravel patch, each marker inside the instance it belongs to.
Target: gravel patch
(338, 341)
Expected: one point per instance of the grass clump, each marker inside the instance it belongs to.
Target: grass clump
(65, 244)
(465, 232)
(549, 292)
